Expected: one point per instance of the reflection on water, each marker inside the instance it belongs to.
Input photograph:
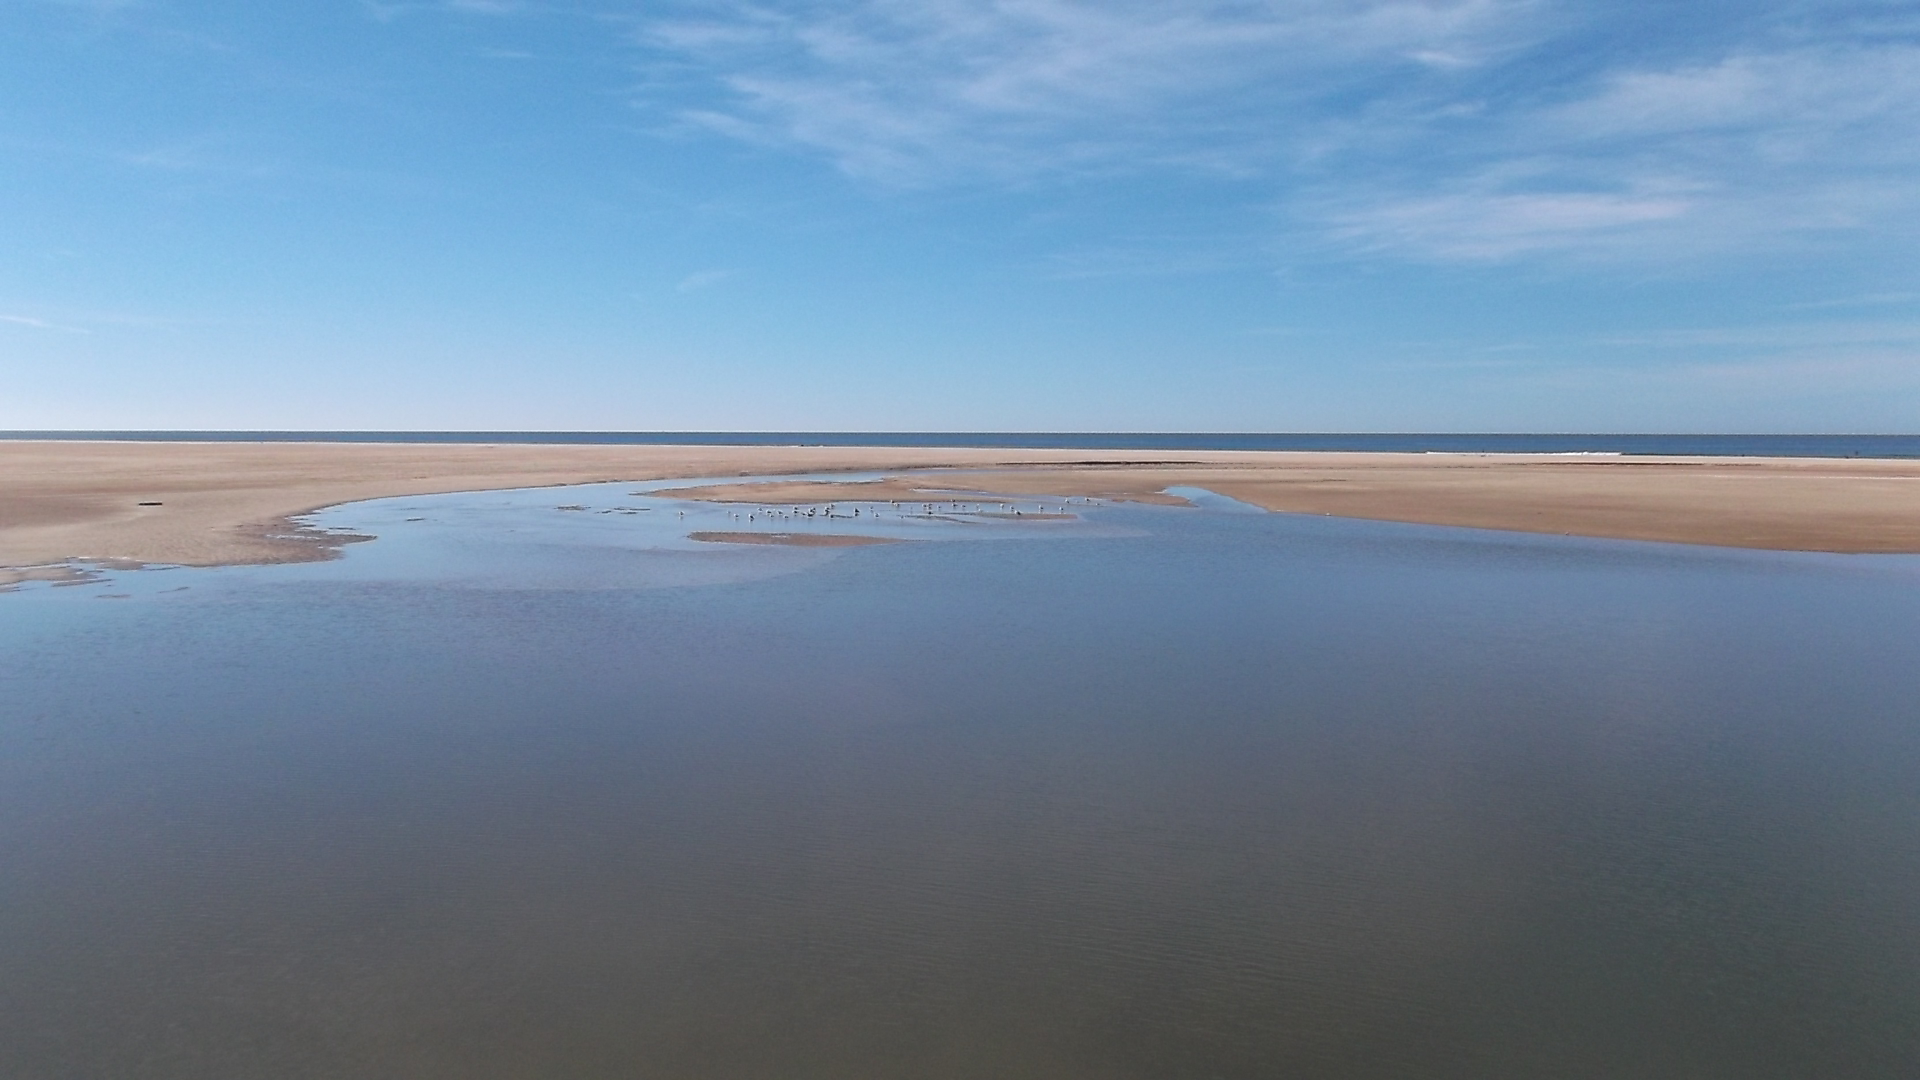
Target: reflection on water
(1182, 792)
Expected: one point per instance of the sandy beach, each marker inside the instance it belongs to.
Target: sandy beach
(207, 504)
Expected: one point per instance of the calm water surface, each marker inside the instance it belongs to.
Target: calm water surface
(517, 791)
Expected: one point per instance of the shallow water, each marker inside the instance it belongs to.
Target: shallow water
(519, 791)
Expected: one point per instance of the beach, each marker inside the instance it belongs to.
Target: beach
(522, 790)
(205, 504)
(1075, 781)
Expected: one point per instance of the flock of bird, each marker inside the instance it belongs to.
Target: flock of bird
(874, 512)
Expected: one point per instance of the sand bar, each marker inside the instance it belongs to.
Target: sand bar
(217, 503)
(1856, 506)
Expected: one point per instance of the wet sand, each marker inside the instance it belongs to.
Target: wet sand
(220, 503)
(1788, 504)
(208, 504)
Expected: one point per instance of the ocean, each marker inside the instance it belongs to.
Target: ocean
(1872, 446)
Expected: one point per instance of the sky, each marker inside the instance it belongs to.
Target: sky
(1007, 215)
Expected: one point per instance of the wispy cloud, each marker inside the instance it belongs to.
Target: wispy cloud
(388, 10)
(924, 92)
(1499, 225)
(1753, 150)
(1449, 130)
(1898, 334)
(1884, 299)
(94, 7)
(42, 324)
(702, 279)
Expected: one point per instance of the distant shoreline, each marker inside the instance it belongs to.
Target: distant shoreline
(1890, 446)
(214, 503)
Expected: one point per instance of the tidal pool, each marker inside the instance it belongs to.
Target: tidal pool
(523, 791)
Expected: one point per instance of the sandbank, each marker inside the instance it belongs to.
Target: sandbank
(208, 504)
(205, 504)
(1852, 506)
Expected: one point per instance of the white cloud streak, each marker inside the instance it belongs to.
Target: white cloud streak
(1753, 151)
(921, 92)
(1441, 130)
(41, 324)
(702, 279)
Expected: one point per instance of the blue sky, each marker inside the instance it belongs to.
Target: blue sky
(1325, 215)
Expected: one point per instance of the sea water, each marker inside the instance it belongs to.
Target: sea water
(531, 785)
(1826, 446)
